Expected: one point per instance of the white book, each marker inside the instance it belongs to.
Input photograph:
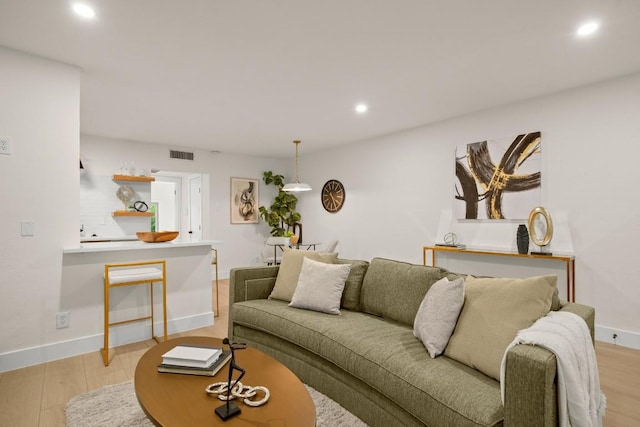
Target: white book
(192, 356)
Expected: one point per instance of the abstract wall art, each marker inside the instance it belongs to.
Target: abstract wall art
(498, 179)
(244, 201)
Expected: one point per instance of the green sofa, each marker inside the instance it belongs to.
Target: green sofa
(368, 360)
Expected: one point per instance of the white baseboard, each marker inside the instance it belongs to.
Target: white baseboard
(622, 338)
(120, 335)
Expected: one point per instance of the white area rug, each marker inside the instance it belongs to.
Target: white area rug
(117, 406)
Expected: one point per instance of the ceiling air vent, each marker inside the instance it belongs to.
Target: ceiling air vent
(183, 155)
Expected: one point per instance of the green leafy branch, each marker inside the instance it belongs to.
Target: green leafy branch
(281, 215)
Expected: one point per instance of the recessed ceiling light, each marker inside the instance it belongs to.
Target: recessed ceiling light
(84, 11)
(361, 108)
(587, 29)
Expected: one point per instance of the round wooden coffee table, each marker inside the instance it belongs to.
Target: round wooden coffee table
(174, 400)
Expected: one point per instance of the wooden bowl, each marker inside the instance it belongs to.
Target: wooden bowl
(157, 237)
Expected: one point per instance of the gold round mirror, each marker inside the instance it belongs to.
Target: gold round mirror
(540, 226)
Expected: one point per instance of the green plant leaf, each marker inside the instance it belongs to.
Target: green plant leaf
(283, 209)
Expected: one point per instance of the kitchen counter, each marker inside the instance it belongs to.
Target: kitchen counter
(135, 245)
(96, 239)
(189, 289)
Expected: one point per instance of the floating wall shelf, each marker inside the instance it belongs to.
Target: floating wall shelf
(132, 178)
(129, 213)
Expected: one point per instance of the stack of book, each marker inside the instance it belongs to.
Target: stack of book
(194, 360)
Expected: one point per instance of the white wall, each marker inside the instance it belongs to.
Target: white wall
(39, 112)
(399, 191)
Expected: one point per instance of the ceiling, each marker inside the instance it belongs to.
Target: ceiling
(250, 76)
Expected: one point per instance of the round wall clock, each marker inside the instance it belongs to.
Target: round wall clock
(332, 195)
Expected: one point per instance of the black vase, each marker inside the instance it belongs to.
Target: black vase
(522, 239)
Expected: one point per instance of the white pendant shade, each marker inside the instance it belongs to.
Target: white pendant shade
(297, 185)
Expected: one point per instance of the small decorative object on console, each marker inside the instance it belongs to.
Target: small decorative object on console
(451, 241)
(540, 229)
(522, 239)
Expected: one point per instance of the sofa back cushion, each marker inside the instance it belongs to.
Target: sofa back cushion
(353, 286)
(494, 310)
(395, 289)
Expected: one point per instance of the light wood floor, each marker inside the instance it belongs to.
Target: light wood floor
(36, 396)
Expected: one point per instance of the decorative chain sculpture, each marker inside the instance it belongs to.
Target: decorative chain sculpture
(238, 390)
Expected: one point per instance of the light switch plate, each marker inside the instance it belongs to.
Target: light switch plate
(27, 228)
(5, 145)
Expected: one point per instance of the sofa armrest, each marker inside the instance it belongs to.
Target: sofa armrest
(249, 283)
(584, 311)
(530, 387)
(530, 379)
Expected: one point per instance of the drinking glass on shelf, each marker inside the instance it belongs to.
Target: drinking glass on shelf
(124, 170)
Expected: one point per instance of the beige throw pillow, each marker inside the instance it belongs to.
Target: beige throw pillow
(437, 315)
(494, 310)
(320, 286)
(289, 271)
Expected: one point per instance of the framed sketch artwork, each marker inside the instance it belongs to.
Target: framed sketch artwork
(244, 201)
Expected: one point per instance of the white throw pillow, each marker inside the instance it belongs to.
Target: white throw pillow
(320, 286)
(289, 271)
(438, 313)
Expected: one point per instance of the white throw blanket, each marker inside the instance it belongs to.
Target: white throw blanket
(580, 400)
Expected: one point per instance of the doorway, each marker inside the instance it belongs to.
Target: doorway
(178, 197)
(195, 207)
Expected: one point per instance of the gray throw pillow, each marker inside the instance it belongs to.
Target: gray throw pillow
(438, 313)
(320, 286)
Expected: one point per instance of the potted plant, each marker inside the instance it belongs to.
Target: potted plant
(281, 215)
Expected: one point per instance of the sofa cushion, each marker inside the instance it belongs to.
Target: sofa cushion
(395, 289)
(320, 286)
(385, 355)
(353, 286)
(438, 313)
(289, 271)
(494, 310)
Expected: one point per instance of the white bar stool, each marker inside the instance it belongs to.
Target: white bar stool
(116, 275)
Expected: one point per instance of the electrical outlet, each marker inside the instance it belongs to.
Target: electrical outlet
(5, 145)
(63, 319)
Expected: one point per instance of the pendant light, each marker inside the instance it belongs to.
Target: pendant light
(297, 185)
